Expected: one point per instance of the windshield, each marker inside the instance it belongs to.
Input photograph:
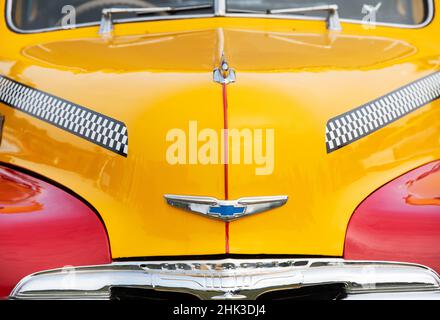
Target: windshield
(408, 12)
(30, 15)
(44, 14)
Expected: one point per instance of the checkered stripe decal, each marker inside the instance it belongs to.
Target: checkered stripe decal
(360, 122)
(85, 123)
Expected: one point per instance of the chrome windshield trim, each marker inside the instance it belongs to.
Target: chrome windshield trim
(230, 278)
(220, 8)
(10, 24)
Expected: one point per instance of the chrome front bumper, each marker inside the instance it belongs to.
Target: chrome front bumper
(234, 279)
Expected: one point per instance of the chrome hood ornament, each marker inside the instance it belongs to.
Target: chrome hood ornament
(224, 74)
(226, 210)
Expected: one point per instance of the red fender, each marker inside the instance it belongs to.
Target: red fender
(44, 227)
(400, 221)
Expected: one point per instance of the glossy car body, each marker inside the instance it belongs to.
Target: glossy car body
(293, 76)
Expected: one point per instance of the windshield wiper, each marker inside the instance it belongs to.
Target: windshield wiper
(333, 22)
(106, 26)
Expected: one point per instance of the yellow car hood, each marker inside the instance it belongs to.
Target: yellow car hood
(291, 81)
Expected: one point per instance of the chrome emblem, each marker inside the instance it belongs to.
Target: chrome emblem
(226, 210)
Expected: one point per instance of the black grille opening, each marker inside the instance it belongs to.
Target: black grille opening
(139, 294)
(321, 292)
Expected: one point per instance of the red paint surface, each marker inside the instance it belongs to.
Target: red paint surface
(227, 238)
(43, 227)
(226, 146)
(391, 225)
(226, 160)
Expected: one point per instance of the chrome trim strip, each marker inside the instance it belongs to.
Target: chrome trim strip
(230, 278)
(10, 24)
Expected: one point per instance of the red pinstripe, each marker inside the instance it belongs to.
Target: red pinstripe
(226, 158)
